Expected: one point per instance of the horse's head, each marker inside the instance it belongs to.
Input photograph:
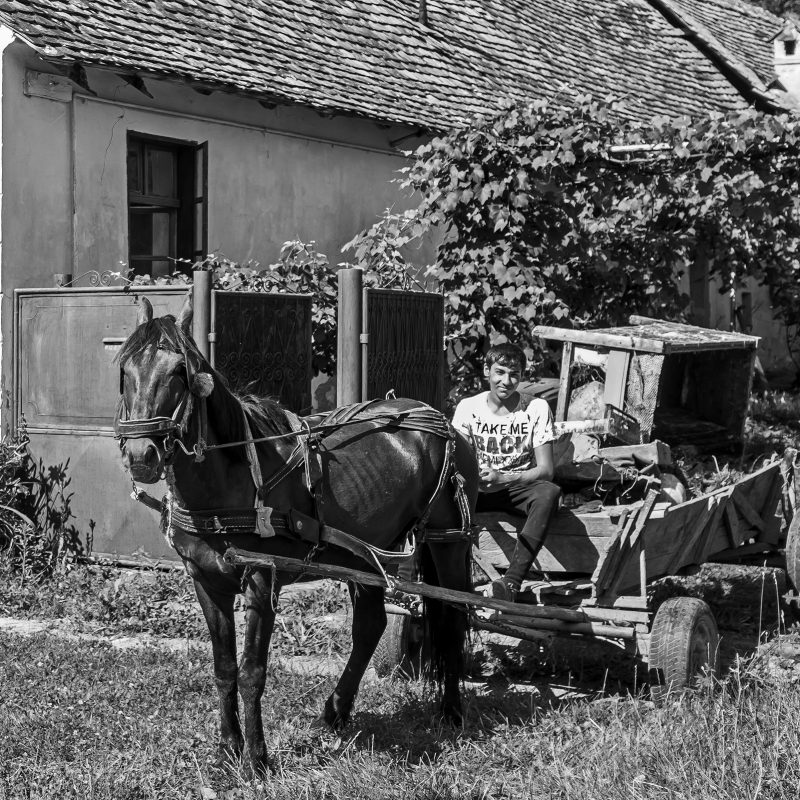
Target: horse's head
(161, 374)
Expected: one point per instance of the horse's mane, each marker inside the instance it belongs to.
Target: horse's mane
(264, 415)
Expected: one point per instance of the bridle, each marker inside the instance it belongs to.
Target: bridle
(172, 429)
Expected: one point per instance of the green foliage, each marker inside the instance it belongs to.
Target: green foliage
(36, 536)
(575, 217)
(780, 8)
(300, 269)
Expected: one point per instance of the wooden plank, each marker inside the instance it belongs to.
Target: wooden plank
(583, 628)
(573, 544)
(562, 405)
(640, 341)
(629, 550)
(599, 339)
(526, 634)
(485, 564)
(610, 557)
(616, 378)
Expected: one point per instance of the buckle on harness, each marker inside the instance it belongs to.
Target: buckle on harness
(263, 524)
(304, 527)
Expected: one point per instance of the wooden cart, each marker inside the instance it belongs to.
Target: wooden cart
(599, 570)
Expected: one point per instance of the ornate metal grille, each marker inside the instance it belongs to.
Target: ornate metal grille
(263, 345)
(405, 345)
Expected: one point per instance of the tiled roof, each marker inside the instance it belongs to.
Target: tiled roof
(373, 58)
(744, 29)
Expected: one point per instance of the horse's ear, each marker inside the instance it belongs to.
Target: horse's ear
(145, 311)
(185, 317)
(202, 384)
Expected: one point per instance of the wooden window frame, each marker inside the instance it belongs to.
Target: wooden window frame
(191, 184)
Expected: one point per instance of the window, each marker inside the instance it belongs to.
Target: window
(167, 216)
(789, 47)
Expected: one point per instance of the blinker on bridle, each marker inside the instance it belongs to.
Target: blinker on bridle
(170, 428)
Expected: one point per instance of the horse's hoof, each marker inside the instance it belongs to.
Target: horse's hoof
(257, 765)
(452, 714)
(227, 753)
(336, 718)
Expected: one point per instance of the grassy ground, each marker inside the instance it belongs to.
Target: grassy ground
(86, 721)
(81, 719)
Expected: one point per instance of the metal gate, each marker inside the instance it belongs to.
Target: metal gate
(403, 345)
(262, 344)
(66, 385)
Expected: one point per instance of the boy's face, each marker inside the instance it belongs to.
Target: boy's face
(503, 379)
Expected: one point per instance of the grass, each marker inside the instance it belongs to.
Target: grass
(86, 721)
(80, 719)
(109, 601)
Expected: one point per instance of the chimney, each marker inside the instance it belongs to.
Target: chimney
(422, 12)
(787, 58)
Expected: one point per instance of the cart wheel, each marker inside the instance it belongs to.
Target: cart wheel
(400, 647)
(793, 552)
(684, 640)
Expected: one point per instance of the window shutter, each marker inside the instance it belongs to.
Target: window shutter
(200, 243)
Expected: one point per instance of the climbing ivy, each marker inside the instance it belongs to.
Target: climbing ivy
(576, 216)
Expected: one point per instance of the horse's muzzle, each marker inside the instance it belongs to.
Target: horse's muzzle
(143, 459)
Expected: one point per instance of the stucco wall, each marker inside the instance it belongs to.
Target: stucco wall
(273, 174)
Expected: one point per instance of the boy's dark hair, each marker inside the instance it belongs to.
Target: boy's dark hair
(506, 354)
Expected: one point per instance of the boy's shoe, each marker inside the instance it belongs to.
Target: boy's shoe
(501, 589)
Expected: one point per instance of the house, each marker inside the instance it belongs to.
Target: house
(134, 133)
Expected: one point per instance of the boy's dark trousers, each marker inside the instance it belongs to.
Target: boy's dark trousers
(538, 502)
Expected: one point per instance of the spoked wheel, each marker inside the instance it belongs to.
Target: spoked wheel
(793, 552)
(684, 643)
(400, 648)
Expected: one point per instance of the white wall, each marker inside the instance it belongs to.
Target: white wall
(274, 174)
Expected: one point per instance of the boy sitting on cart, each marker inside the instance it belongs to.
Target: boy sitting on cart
(513, 440)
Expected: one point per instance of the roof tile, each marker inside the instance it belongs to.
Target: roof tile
(373, 58)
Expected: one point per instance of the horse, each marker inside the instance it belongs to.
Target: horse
(374, 477)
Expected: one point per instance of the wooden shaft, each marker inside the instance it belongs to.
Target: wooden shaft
(525, 634)
(348, 337)
(584, 628)
(201, 310)
(246, 558)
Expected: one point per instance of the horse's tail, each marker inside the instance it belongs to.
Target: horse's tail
(445, 559)
(445, 643)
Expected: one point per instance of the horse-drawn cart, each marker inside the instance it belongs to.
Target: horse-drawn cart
(599, 570)
(595, 576)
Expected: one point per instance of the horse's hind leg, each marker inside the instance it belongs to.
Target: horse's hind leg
(369, 622)
(261, 597)
(447, 565)
(218, 611)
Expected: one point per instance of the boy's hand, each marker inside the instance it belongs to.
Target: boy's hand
(492, 480)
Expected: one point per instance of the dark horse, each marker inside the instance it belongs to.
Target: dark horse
(375, 484)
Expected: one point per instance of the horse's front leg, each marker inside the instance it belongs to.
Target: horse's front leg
(261, 598)
(448, 623)
(369, 622)
(218, 611)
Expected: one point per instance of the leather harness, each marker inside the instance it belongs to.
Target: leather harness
(266, 521)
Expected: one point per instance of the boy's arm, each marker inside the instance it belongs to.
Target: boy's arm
(543, 435)
(493, 479)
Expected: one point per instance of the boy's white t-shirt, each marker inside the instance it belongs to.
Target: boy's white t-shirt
(505, 441)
